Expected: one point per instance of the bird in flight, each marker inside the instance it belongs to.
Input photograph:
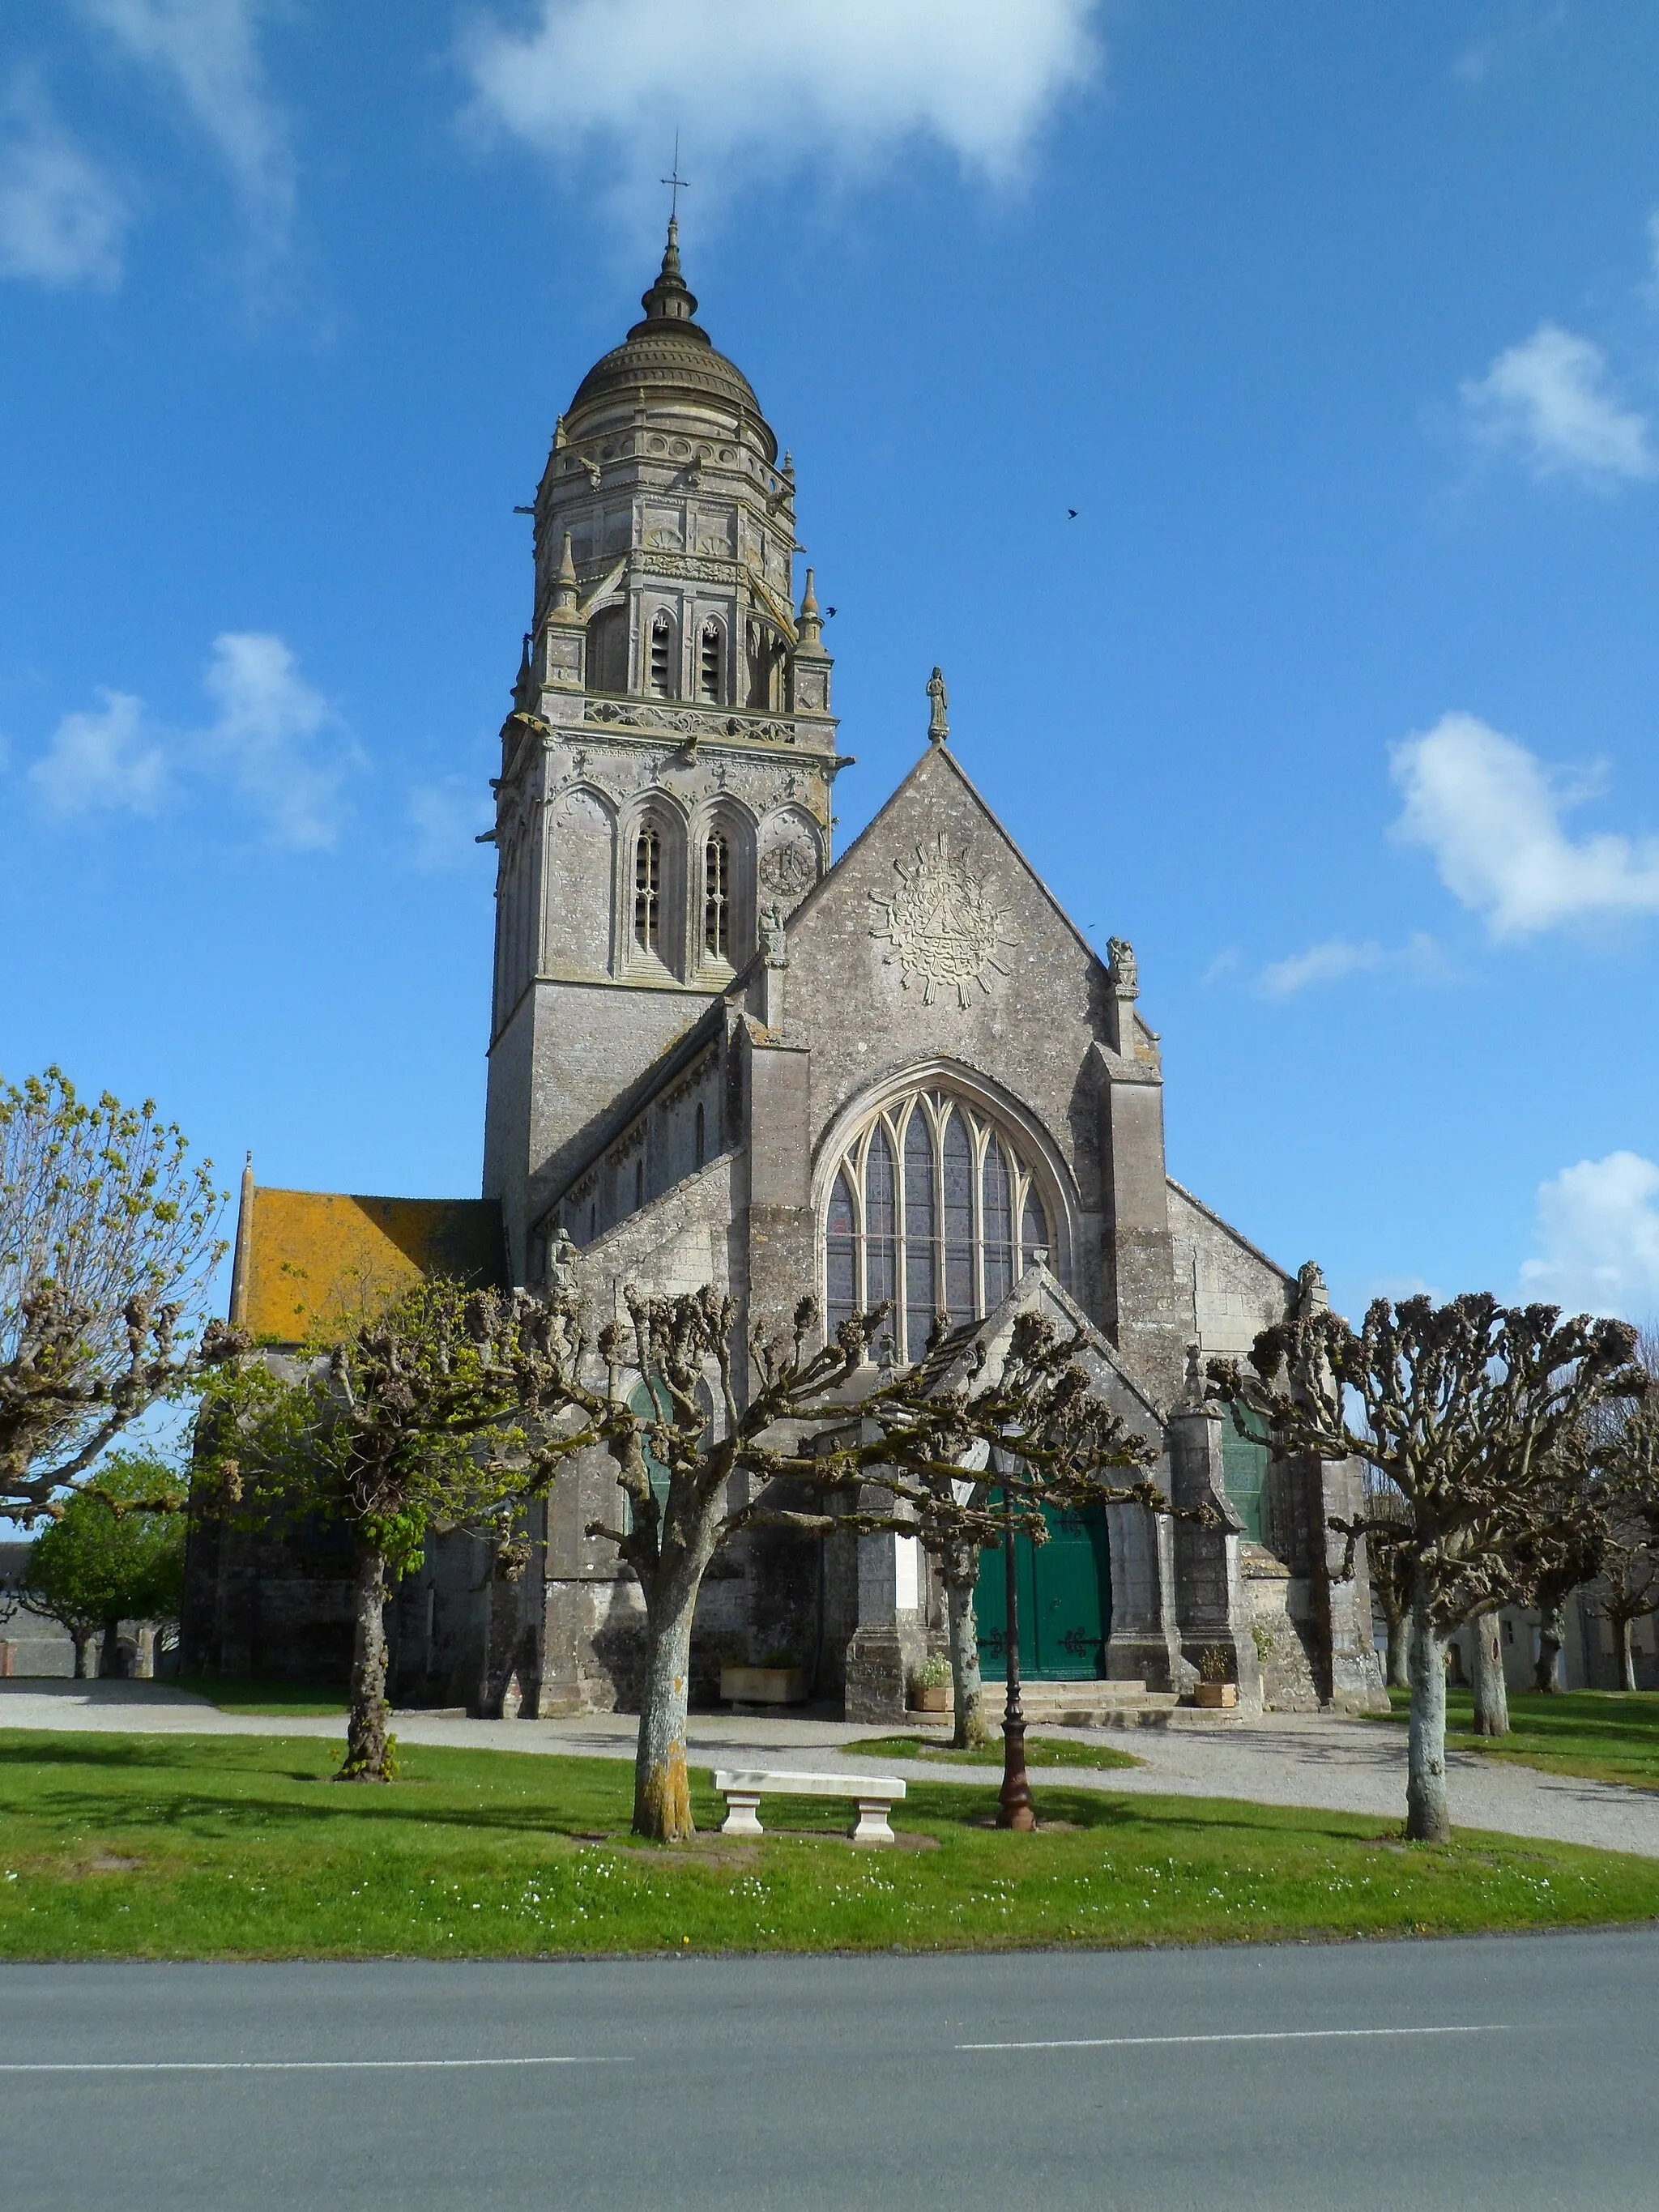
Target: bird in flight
(1071, 514)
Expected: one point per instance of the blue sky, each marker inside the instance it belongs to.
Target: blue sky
(1338, 326)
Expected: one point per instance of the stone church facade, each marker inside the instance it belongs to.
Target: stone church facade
(720, 1054)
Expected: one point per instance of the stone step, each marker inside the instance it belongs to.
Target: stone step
(1097, 1704)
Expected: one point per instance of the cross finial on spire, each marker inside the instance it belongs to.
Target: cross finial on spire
(679, 183)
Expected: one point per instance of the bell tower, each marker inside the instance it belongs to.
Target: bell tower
(667, 764)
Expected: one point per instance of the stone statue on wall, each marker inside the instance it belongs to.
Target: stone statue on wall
(938, 728)
(774, 944)
(1125, 980)
(562, 1280)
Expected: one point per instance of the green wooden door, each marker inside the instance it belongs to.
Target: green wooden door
(1064, 1592)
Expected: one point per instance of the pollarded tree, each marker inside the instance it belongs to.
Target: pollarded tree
(1627, 1590)
(1389, 1559)
(408, 1421)
(886, 1456)
(1627, 1461)
(107, 1243)
(1462, 1408)
(106, 1558)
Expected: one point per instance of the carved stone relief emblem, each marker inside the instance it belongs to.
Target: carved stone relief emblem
(942, 925)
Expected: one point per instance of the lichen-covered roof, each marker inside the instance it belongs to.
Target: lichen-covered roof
(306, 1257)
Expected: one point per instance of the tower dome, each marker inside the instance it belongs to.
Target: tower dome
(667, 357)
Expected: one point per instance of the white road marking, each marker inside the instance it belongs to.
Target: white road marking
(1254, 2035)
(275, 2065)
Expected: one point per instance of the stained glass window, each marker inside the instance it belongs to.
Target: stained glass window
(841, 1250)
(959, 1225)
(998, 1227)
(922, 1214)
(920, 1258)
(880, 1222)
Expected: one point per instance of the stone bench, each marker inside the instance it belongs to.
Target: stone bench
(875, 1795)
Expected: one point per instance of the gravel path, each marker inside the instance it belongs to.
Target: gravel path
(1330, 1765)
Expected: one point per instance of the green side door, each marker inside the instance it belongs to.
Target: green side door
(1064, 1591)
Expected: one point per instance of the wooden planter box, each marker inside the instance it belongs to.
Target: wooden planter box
(930, 1697)
(763, 1686)
(1217, 1695)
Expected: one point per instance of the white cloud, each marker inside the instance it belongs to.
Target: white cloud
(268, 717)
(262, 745)
(1598, 1229)
(1490, 811)
(109, 758)
(1548, 401)
(445, 818)
(61, 220)
(209, 51)
(782, 81)
(1338, 958)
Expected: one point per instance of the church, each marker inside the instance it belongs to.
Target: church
(719, 1052)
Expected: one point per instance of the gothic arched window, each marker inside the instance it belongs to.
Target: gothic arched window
(647, 891)
(949, 1233)
(717, 898)
(711, 663)
(662, 671)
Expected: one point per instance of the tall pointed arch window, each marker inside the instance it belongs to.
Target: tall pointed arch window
(717, 898)
(647, 891)
(934, 1209)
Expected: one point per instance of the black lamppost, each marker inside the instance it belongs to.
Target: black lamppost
(1014, 1808)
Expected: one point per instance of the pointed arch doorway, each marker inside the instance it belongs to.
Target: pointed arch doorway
(1063, 1590)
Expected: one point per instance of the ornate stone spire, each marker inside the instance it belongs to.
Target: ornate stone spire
(670, 300)
(564, 609)
(810, 626)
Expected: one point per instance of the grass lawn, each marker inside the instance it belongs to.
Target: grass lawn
(1040, 1751)
(234, 1694)
(168, 1847)
(1605, 1735)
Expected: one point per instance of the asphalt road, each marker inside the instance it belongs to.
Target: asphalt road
(1504, 2074)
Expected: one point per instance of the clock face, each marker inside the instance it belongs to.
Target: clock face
(943, 926)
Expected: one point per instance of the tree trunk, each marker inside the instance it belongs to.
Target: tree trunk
(961, 1579)
(82, 1652)
(1428, 1817)
(1492, 1696)
(1552, 1635)
(662, 1790)
(368, 1750)
(1400, 1636)
(109, 1653)
(1626, 1655)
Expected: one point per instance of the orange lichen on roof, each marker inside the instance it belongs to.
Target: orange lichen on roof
(309, 1259)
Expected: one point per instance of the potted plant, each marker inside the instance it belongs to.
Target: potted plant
(1216, 1688)
(930, 1686)
(778, 1681)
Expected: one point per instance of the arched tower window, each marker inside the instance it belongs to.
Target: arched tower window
(647, 891)
(607, 651)
(662, 671)
(717, 898)
(937, 1235)
(711, 663)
